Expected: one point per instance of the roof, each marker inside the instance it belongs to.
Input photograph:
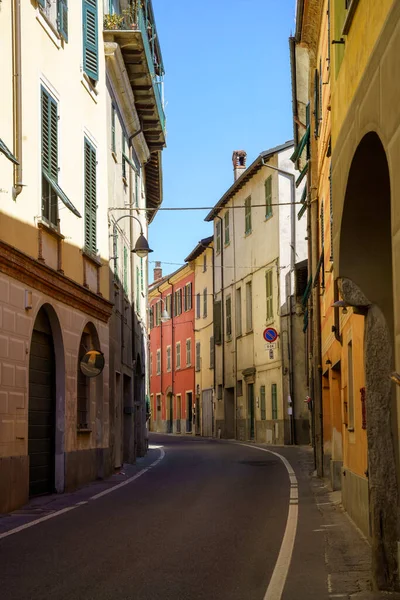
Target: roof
(156, 284)
(201, 246)
(245, 176)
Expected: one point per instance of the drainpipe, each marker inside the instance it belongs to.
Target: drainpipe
(222, 313)
(17, 96)
(292, 178)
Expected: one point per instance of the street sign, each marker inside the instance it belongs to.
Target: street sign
(270, 346)
(270, 334)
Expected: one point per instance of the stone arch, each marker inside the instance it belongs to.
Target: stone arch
(46, 316)
(89, 407)
(366, 283)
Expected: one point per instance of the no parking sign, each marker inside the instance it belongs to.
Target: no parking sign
(270, 335)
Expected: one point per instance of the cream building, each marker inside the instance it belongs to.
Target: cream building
(257, 241)
(202, 260)
(55, 225)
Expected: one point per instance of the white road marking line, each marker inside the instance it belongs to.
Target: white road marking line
(278, 579)
(69, 508)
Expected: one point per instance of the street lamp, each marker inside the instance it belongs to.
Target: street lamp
(141, 248)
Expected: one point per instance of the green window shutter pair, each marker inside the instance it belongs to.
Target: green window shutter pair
(62, 9)
(90, 39)
(274, 400)
(49, 135)
(262, 403)
(268, 197)
(90, 197)
(269, 295)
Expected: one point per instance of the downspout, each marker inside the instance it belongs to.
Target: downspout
(222, 313)
(17, 96)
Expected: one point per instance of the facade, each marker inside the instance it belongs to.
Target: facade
(360, 353)
(57, 428)
(172, 347)
(256, 240)
(202, 261)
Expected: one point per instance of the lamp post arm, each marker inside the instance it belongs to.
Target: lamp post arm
(115, 234)
(130, 217)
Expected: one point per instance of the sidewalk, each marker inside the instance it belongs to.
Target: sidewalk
(347, 551)
(43, 506)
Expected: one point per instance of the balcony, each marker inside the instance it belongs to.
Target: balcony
(134, 30)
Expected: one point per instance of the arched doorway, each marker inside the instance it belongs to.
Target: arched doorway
(42, 408)
(366, 283)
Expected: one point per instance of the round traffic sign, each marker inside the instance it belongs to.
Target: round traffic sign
(270, 334)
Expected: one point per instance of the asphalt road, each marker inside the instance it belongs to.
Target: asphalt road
(206, 523)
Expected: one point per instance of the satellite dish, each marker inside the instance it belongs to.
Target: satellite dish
(92, 363)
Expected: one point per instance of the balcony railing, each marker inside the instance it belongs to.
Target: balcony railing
(136, 20)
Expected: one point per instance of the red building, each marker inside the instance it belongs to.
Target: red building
(172, 348)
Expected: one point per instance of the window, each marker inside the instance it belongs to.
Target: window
(247, 215)
(249, 306)
(168, 358)
(218, 236)
(226, 227)
(56, 12)
(113, 144)
(178, 303)
(158, 366)
(218, 322)
(158, 313)
(204, 262)
(49, 157)
(239, 311)
(212, 352)
(90, 41)
(228, 307)
(187, 300)
(274, 401)
(204, 303)
(188, 353)
(90, 197)
(198, 357)
(168, 305)
(198, 300)
(151, 317)
(268, 294)
(125, 270)
(239, 387)
(178, 355)
(262, 403)
(350, 387)
(268, 197)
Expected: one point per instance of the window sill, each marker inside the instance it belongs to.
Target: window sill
(94, 258)
(54, 230)
(49, 28)
(89, 87)
(83, 430)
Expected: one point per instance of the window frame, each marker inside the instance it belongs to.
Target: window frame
(158, 362)
(168, 357)
(218, 237)
(198, 357)
(274, 401)
(263, 409)
(226, 228)
(188, 352)
(247, 216)
(177, 354)
(228, 316)
(205, 303)
(90, 47)
(268, 197)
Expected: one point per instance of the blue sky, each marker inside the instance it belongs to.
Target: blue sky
(227, 87)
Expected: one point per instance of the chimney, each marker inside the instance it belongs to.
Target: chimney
(157, 271)
(239, 163)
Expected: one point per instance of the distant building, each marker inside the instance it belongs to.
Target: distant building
(257, 243)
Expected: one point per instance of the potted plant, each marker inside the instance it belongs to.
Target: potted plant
(113, 21)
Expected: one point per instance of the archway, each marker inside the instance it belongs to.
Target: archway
(46, 408)
(89, 390)
(365, 271)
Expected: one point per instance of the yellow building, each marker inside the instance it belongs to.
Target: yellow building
(202, 260)
(358, 348)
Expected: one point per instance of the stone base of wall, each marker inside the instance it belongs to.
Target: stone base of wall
(355, 499)
(220, 428)
(270, 432)
(83, 466)
(302, 432)
(336, 474)
(14, 482)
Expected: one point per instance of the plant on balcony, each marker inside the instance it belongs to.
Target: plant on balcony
(113, 21)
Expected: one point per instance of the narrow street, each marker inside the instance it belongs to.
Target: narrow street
(207, 521)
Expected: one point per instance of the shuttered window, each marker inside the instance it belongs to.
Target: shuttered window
(198, 301)
(178, 355)
(228, 308)
(218, 322)
(158, 366)
(90, 197)
(269, 295)
(262, 403)
(188, 352)
(63, 18)
(211, 352)
(204, 303)
(168, 358)
(239, 311)
(168, 305)
(249, 306)
(268, 197)
(49, 157)
(274, 401)
(90, 39)
(198, 356)
(247, 215)
(226, 227)
(218, 236)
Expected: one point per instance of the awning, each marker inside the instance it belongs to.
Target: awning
(300, 147)
(66, 201)
(302, 175)
(7, 153)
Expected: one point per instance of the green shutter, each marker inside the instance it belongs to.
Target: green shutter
(125, 270)
(268, 197)
(90, 197)
(269, 294)
(274, 401)
(7, 153)
(49, 135)
(262, 403)
(63, 18)
(90, 39)
(42, 3)
(113, 146)
(302, 144)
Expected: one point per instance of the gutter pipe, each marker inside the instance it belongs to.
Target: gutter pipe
(17, 96)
